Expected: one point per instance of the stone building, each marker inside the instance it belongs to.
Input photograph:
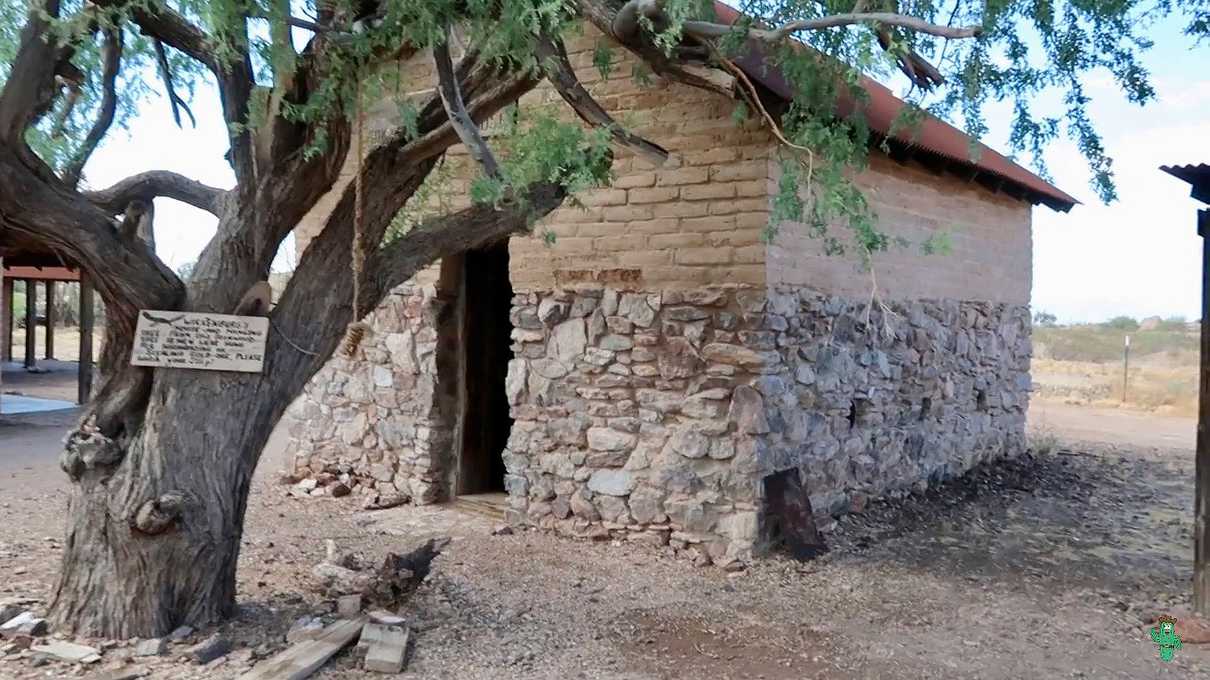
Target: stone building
(656, 371)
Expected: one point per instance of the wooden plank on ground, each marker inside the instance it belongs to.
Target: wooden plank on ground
(304, 658)
(387, 648)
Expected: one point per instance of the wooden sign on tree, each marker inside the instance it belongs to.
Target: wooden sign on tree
(208, 342)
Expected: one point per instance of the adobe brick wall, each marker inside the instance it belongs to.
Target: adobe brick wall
(992, 248)
(696, 219)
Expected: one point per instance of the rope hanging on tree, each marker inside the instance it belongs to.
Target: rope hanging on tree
(357, 328)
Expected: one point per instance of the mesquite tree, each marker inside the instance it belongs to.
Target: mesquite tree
(161, 461)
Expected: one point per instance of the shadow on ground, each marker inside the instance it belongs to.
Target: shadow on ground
(1074, 517)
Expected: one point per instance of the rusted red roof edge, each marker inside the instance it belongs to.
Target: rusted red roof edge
(932, 137)
(1196, 176)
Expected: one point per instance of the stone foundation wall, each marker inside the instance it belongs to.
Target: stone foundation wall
(656, 416)
(375, 421)
(633, 415)
(926, 391)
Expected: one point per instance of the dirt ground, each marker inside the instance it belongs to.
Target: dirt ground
(1043, 567)
(54, 379)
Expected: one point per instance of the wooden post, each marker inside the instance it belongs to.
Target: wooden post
(1125, 368)
(84, 381)
(31, 323)
(50, 320)
(6, 303)
(1201, 502)
(3, 326)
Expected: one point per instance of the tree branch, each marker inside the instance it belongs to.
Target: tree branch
(234, 77)
(922, 74)
(708, 29)
(128, 276)
(31, 77)
(111, 64)
(448, 235)
(114, 199)
(602, 16)
(174, 100)
(626, 22)
(455, 109)
(30, 87)
(552, 55)
(176, 31)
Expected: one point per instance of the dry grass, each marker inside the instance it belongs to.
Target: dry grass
(1082, 364)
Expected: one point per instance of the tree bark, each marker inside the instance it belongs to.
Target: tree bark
(153, 542)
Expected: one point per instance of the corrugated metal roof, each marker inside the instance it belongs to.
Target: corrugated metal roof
(1198, 176)
(932, 136)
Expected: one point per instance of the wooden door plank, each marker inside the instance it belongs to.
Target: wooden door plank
(304, 658)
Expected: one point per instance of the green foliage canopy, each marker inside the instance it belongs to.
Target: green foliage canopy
(1023, 50)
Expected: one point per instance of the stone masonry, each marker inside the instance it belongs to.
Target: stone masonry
(656, 416)
(376, 422)
(666, 359)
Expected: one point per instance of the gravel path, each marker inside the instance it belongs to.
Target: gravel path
(1042, 567)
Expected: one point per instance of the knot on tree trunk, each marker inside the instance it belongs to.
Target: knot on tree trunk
(159, 514)
(86, 448)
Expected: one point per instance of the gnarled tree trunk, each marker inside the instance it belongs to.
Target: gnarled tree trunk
(153, 543)
(162, 459)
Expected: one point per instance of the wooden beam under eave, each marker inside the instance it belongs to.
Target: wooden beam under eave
(43, 273)
(1201, 502)
(993, 183)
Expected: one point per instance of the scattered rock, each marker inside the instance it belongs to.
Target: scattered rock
(339, 490)
(151, 647)
(338, 580)
(210, 649)
(306, 628)
(502, 530)
(386, 618)
(9, 611)
(348, 606)
(68, 651)
(1191, 628)
(25, 623)
(181, 634)
(131, 673)
(382, 501)
(385, 647)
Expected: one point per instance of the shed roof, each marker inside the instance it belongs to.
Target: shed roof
(1198, 177)
(933, 137)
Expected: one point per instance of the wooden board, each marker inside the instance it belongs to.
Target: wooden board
(304, 658)
(789, 517)
(209, 342)
(490, 505)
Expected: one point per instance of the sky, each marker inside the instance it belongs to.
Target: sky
(1139, 256)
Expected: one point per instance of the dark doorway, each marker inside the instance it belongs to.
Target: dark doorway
(487, 348)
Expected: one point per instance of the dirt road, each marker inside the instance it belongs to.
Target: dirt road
(1113, 426)
(1043, 567)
